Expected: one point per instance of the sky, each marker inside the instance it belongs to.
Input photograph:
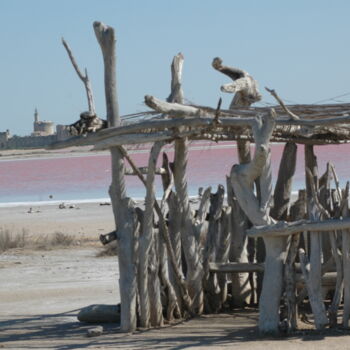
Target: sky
(300, 48)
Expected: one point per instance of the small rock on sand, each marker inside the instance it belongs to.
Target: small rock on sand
(95, 332)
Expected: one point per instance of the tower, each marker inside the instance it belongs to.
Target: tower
(36, 115)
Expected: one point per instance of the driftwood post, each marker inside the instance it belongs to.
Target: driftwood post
(189, 242)
(150, 304)
(312, 268)
(281, 199)
(242, 180)
(124, 213)
(246, 93)
(346, 262)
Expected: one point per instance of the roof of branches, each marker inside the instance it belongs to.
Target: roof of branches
(306, 124)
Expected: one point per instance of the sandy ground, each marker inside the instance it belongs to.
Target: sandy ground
(82, 220)
(41, 292)
(40, 152)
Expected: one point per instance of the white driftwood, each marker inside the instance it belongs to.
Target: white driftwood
(84, 78)
(210, 280)
(165, 233)
(125, 228)
(223, 250)
(171, 289)
(290, 283)
(312, 276)
(297, 211)
(246, 92)
(147, 241)
(188, 237)
(244, 86)
(282, 195)
(346, 269)
(242, 179)
(311, 267)
(200, 223)
(241, 290)
(283, 228)
(283, 188)
(132, 139)
(154, 286)
(176, 92)
(172, 300)
(235, 267)
(243, 118)
(284, 107)
(173, 109)
(174, 211)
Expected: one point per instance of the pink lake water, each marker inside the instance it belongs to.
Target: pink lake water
(88, 176)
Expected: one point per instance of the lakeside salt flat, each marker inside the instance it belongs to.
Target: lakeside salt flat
(83, 220)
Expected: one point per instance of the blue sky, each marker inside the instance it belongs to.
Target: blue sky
(300, 48)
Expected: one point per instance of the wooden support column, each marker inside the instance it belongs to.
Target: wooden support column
(257, 210)
(241, 290)
(174, 227)
(311, 267)
(211, 285)
(246, 93)
(282, 197)
(346, 263)
(123, 210)
(189, 242)
(150, 303)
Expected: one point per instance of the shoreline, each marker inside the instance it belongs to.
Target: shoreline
(138, 201)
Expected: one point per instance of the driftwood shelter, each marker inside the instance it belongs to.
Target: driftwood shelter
(246, 243)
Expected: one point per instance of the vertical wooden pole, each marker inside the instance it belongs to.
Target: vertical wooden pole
(312, 269)
(246, 93)
(149, 305)
(124, 213)
(346, 267)
(188, 238)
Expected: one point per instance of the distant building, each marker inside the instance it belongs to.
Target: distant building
(4, 137)
(43, 134)
(42, 128)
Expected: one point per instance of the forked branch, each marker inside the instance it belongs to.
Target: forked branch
(84, 78)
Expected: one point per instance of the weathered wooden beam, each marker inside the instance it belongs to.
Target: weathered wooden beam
(141, 138)
(124, 213)
(284, 107)
(313, 284)
(210, 280)
(346, 265)
(283, 228)
(189, 242)
(235, 267)
(150, 305)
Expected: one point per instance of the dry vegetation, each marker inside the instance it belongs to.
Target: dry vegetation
(11, 240)
(109, 249)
